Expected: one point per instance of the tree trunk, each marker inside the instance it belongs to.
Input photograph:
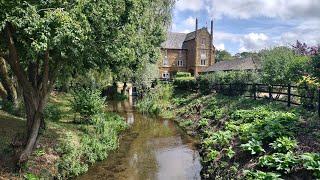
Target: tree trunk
(123, 91)
(6, 82)
(34, 111)
(3, 92)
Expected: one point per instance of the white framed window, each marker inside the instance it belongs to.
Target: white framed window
(203, 41)
(180, 53)
(203, 62)
(166, 75)
(180, 62)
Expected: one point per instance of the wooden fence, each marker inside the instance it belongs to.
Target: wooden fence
(282, 93)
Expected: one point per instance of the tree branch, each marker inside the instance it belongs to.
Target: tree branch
(13, 60)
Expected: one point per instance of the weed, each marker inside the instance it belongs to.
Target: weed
(284, 144)
(254, 146)
(280, 161)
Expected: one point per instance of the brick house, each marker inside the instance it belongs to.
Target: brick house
(187, 52)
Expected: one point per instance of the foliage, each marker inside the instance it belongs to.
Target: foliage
(39, 152)
(180, 101)
(308, 87)
(229, 152)
(211, 155)
(203, 122)
(87, 103)
(119, 96)
(30, 176)
(218, 138)
(17, 109)
(185, 83)
(94, 144)
(279, 161)
(221, 55)
(236, 78)
(284, 144)
(315, 63)
(281, 65)
(155, 100)
(254, 146)
(260, 175)
(52, 112)
(311, 161)
(183, 74)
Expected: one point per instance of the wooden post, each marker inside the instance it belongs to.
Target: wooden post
(270, 90)
(254, 92)
(289, 95)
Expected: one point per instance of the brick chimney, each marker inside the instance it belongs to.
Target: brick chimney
(211, 44)
(196, 35)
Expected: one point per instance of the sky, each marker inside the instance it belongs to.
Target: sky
(251, 25)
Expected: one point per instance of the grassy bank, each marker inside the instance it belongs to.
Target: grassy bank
(65, 149)
(246, 139)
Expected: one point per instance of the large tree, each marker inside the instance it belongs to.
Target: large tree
(222, 55)
(42, 39)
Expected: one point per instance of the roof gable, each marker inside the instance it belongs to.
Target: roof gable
(175, 40)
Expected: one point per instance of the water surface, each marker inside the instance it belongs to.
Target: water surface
(153, 148)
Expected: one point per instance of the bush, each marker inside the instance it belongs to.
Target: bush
(87, 103)
(14, 109)
(311, 161)
(308, 87)
(237, 79)
(183, 74)
(185, 83)
(156, 100)
(52, 112)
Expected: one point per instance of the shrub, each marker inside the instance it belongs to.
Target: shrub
(185, 83)
(308, 87)
(237, 79)
(154, 101)
(87, 103)
(211, 155)
(284, 144)
(52, 112)
(203, 122)
(183, 74)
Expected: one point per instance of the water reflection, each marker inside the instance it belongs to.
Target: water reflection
(153, 148)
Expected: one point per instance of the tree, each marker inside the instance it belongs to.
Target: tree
(246, 55)
(281, 65)
(221, 55)
(42, 39)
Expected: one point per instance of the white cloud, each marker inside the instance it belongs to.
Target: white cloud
(253, 42)
(246, 9)
(193, 5)
(190, 22)
(220, 46)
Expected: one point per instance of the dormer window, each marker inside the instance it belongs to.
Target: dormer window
(180, 53)
(203, 41)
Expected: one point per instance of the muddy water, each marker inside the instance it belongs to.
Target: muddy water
(153, 148)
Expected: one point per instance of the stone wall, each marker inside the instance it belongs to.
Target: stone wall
(173, 57)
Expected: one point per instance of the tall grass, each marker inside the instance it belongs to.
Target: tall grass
(155, 101)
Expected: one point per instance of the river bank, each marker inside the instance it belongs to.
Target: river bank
(65, 149)
(246, 139)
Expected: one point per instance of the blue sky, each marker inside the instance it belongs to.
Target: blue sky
(251, 25)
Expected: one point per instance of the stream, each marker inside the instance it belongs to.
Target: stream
(151, 149)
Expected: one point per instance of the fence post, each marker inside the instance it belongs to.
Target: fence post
(270, 90)
(289, 95)
(254, 92)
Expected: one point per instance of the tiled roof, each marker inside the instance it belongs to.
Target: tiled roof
(174, 40)
(237, 64)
